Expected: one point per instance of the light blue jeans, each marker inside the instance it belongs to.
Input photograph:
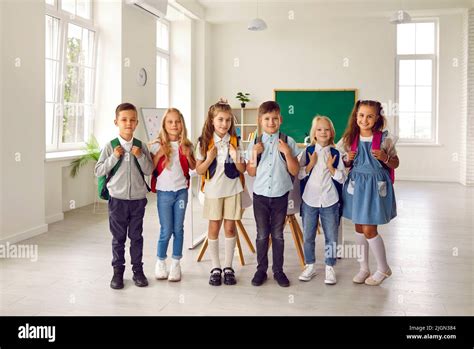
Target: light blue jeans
(330, 222)
(171, 211)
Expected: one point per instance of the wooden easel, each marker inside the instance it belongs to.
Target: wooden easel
(240, 230)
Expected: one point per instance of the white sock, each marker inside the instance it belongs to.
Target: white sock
(378, 248)
(229, 251)
(174, 262)
(364, 249)
(214, 250)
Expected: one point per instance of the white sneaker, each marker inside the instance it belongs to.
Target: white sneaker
(160, 270)
(330, 276)
(175, 271)
(308, 273)
(361, 276)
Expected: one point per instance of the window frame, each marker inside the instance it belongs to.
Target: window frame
(165, 54)
(66, 18)
(434, 85)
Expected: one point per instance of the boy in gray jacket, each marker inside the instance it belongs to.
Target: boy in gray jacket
(127, 189)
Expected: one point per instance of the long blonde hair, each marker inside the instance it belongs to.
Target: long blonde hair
(163, 137)
(312, 133)
(208, 129)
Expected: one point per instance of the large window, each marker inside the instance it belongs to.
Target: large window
(416, 65)
(162, 64)
(70, 73)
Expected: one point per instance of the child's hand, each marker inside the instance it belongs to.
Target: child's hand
(380, 155)
(233, 153)
(186, 149)
(330, 162)
(118, 151)
(351, 155)
(212, 153)
(258, 148)
(136, 151)
(313, 158)
(283, 147)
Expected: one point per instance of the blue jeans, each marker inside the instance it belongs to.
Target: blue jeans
(171, 211)
(330, 222)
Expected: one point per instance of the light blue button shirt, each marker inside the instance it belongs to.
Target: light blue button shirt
(272, 179)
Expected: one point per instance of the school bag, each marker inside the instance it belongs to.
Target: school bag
(230, 169)
(284, 138)
(376, 143)
(160, 166)
(103, 180)
(334, 153)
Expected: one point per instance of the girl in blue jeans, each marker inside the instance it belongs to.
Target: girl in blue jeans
(172, 158)
(322, 173)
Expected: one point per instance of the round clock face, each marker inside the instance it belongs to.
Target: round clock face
(141, 77)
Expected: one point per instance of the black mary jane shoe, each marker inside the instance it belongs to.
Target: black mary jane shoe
(229, 276)
(216, 277)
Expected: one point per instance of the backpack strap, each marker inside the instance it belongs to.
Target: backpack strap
(138, 143)
(258, 139)
(207, 175)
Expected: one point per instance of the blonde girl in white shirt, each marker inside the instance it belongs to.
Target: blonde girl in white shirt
(173, 157)
(322, 174)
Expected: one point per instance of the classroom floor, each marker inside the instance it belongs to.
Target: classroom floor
(429, 248)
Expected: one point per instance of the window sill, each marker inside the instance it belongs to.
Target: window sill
(63, 155)
(419, 145)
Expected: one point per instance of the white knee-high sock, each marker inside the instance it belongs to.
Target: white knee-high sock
(364, 249)
(378, 249)
(214, 250)
(229, 251)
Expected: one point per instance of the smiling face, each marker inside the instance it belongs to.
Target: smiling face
(173, 125)
(222, 123)
(127, 122)
(323, 132)
(271, 122)
(366, 119)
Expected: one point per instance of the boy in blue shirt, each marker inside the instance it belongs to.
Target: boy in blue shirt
(128, 189)
(272, 159)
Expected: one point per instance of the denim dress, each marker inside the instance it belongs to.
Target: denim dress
(368, 193)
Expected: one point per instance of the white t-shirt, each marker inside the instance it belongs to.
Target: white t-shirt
(220, 186)
(172, 178)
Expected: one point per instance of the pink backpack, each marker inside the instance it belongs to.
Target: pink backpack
(376, 142)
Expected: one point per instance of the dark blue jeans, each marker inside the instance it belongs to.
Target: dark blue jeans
(270, 215)
(126, 216)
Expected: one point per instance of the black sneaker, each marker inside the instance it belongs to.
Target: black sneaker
(229, 276)
(140, 279)
(259, 278)
(216, 278)
(281, 278)
(117, 280)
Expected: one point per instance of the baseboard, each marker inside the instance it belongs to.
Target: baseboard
(12, 239)
(55, 218)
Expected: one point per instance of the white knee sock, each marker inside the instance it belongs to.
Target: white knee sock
(378, 249)
(214, 250)
(364, 249)
(229, 251)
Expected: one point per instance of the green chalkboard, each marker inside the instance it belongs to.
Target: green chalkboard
(299, 107)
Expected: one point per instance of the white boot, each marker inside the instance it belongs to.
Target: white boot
(175, 270)
(160, 270)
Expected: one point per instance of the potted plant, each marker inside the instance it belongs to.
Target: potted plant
(92, 154)
(243, 98)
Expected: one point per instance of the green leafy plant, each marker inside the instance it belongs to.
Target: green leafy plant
(243, 97)
(92, 154)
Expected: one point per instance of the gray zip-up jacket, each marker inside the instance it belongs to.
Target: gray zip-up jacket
(127, 182)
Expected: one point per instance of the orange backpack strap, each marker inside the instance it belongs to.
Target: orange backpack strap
(205, 176)
(234, 140)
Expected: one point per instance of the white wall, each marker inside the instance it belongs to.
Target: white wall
(23, 120)
(138, 51)
(310, 54)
